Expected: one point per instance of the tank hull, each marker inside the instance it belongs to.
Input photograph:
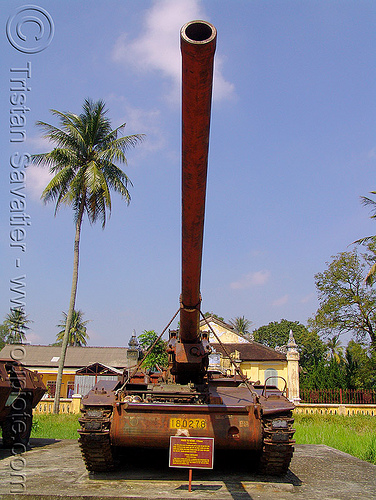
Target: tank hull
(243, 421)
(151, 425)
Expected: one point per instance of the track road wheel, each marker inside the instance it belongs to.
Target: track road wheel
(16, 428)
(277, 445)
(97, 452)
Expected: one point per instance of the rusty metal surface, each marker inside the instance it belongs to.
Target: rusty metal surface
(150, 425)
(276, 408)
(15, 378)
(102, 394)
(233, 396)
(20, 391)
(198, 42)
(183, 408)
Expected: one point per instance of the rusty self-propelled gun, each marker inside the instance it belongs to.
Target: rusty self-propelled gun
(139, 411)
(20, 391)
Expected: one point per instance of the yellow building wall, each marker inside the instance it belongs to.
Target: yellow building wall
(256, 371)
(50, 375)
(224, 334)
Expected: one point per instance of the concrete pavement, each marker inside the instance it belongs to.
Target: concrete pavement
(54, 470)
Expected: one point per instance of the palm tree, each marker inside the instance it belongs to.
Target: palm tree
(16, 322)
(78, 335)
(82, 162)
(241, 325)
(370, 278)
(335, 349)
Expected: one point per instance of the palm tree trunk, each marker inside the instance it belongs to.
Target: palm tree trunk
(72, 304)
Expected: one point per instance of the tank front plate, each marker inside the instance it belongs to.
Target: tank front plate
(148, 425)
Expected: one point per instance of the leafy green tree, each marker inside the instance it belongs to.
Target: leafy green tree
(3, 335)
(208, 314)
(157, 358)
(355, 370)
(241, 325)
(84, 169)
(16, 322)
(325, 375)
(352, 367)
(310, 346)
(274, 334)
(360, 366)
(346, 303)
(335, 375)
(335, 349)
(78, 335)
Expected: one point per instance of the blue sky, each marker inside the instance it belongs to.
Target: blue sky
(292, 149)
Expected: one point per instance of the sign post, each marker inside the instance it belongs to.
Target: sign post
(191, 453)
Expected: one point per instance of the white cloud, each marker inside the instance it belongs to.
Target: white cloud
(251, 279)
(140, 121)
(222, 89)
(157, 47)
(38, 144)
(146, 122)
(37, 179)
(281, 301)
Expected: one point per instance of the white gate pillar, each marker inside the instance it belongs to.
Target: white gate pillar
(293, 357)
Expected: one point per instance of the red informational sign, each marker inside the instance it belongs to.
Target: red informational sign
(192, 453)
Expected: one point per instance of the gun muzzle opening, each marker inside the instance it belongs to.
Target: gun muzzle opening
(198, 32)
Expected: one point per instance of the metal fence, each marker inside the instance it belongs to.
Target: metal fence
(84, 383)
(340, 396)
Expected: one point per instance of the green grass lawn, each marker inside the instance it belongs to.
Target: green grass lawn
(355, 435)
(52, 426)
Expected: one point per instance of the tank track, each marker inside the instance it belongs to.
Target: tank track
(96, 451)
(16, 436)
(277, 445)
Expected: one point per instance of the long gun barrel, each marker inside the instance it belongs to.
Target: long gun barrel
(198, 42)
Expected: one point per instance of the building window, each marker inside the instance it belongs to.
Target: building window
(70, 389)
(271, 372)
(51, 388)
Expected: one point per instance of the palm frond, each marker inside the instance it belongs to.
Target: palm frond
(118, 181)
(60, 137)
(58, 186)
(369, 202)
(370, 278)
(361, 241)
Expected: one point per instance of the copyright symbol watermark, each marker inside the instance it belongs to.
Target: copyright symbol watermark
(30, 29)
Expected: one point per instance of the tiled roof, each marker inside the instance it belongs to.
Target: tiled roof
(76, 357)
(251, 351)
